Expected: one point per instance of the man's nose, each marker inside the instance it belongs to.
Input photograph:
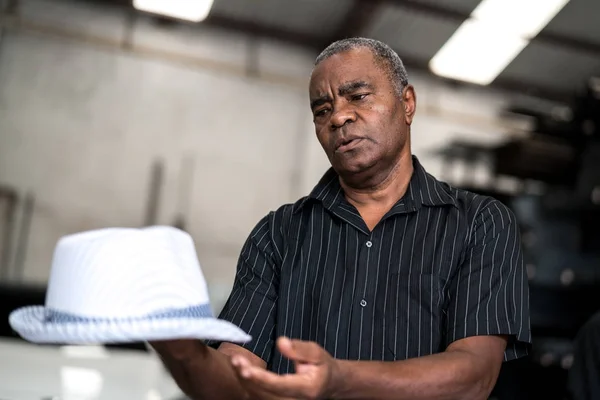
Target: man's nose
(341, 116)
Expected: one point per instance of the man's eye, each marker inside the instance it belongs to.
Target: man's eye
(357, 97)
(321, 112)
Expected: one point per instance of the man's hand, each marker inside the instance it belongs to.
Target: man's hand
(468, 369)
(205, 373)
(316, 374)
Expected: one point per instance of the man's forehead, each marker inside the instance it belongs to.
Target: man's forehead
(325, 87)
(324, 84)
(343, 68)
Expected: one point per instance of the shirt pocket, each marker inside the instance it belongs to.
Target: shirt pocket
(414, 316)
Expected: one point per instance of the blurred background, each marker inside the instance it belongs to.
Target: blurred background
(195, 114)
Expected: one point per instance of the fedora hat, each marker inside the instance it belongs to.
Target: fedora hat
(119, 285)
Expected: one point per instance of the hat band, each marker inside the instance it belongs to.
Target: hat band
(197, 311)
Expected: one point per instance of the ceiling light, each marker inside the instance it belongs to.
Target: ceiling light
(486, 43)
(525, 18)
(476, 53)
(188, 10)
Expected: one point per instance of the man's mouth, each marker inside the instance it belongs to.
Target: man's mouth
(348, 145)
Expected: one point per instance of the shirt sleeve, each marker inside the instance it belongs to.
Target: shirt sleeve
(489, 294)
(252, 302)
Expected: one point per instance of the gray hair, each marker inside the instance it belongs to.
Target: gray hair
(382, 53)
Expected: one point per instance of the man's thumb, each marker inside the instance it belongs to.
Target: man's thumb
(299, 351)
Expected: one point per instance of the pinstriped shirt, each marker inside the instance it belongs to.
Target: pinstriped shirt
(443, 264)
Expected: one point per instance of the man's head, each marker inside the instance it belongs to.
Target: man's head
(362, 105)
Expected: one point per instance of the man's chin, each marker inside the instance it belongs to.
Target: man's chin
(353, 169)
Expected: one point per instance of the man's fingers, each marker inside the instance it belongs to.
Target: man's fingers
(241, 365)
(243, 369)
(286, 348)
(300, 351)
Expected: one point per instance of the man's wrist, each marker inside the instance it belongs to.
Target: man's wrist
(340, 374)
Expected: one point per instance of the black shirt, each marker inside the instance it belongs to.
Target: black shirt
(443, 264)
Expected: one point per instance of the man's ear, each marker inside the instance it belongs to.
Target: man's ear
(409, 100)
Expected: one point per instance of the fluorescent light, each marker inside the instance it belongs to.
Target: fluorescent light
(525, 18)
(189, 10)
(476, 53)
(486, 43)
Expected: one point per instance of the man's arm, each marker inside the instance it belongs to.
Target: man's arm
(467, 370)
(204, 370)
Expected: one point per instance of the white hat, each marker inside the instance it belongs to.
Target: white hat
(119, 285)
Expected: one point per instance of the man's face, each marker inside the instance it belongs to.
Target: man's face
(360, 120)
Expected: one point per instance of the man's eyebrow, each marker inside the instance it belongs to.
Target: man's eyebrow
(351, 87)
(344, 90)
(319, 101)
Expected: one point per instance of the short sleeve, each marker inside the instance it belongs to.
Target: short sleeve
(253, 299)
(489, 294)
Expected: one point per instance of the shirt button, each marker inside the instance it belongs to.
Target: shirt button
(363, 303)
(369, 244)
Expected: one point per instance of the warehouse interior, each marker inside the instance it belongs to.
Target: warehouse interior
(116, 115)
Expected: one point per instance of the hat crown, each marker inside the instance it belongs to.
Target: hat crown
(125, 273)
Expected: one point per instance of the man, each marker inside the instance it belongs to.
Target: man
(383, 283)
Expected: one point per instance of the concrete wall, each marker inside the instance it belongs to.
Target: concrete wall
(82, 119)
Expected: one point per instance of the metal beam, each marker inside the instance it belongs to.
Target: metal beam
(434, 10)
(353, 24)
(503, 84)
(316, 43)
(258, 29)
(568, 43)
(361, 12)
(440, 11)
(358, 17)
(228, 23)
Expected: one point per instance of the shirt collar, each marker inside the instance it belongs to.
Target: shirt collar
(423, 189)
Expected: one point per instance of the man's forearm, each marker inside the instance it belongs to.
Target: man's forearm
(203, 373)
(443, 376)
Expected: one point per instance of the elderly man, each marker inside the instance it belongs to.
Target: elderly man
(382, 283)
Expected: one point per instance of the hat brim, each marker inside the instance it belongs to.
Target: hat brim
(29, 323)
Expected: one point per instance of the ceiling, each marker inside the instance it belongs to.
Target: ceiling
(556, 63)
